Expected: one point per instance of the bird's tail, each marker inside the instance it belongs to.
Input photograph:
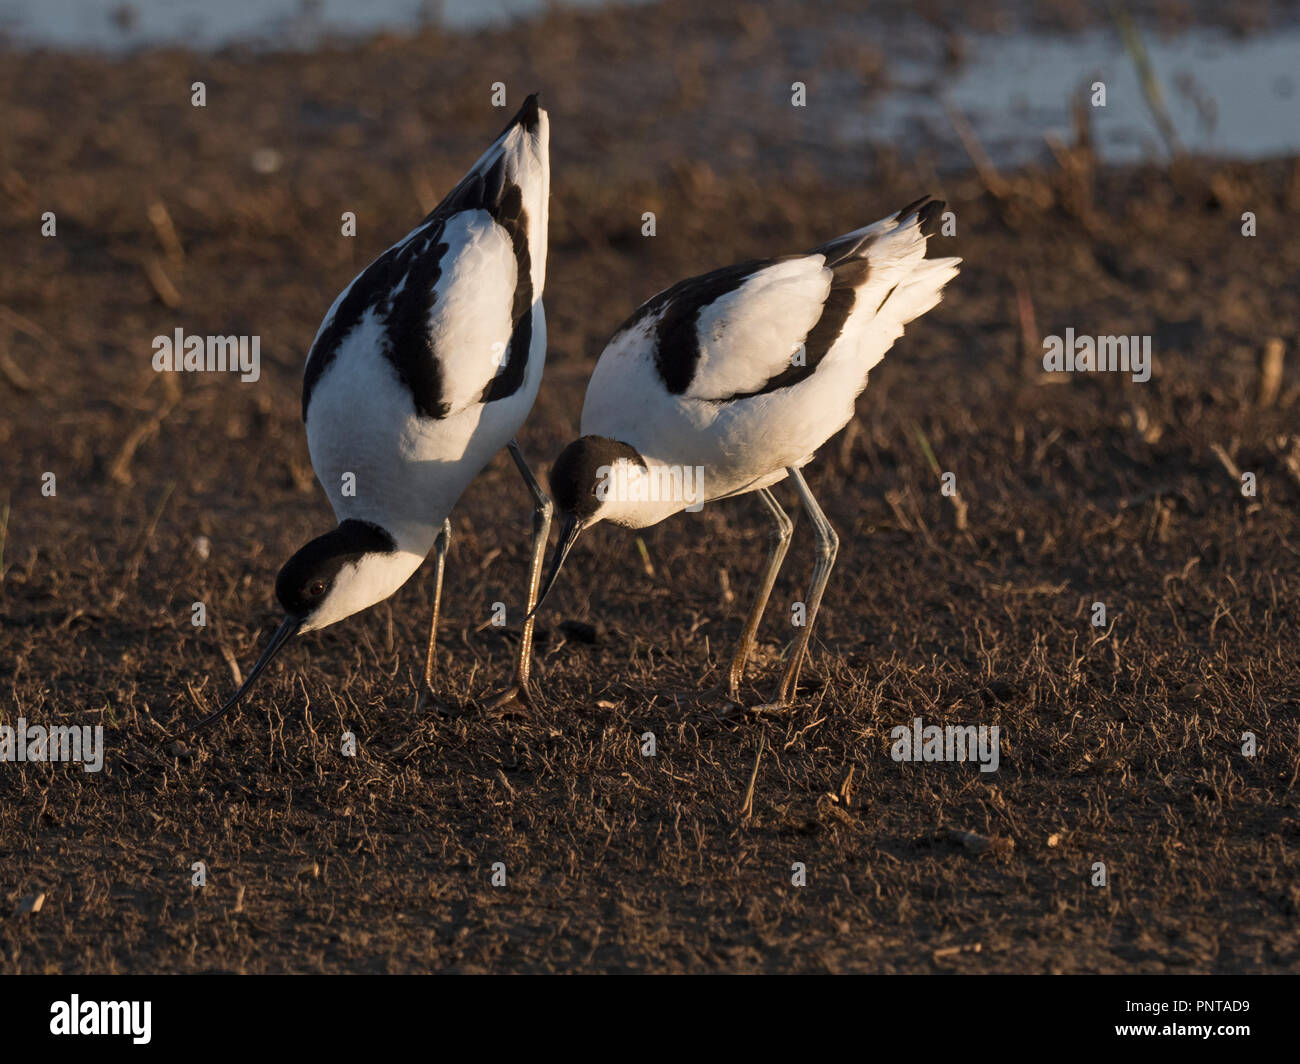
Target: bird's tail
(922, 289)
(900, 282)
(512, 182)
(892, 280)
(524, 146)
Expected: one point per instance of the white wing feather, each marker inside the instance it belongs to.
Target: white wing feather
(753, 333)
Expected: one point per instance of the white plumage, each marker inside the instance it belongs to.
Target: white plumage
(747, 337)
(411, 468)
(423, 369)
(742, 374)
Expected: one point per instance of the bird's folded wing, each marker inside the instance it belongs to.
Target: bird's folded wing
(757, 327)
(730, 332)
(451, 303)
(470, 321)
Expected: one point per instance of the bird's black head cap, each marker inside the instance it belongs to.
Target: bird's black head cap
(307, 577)
(581, 468)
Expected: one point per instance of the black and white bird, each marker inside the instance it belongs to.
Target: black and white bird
(423, 369)
(727, 383)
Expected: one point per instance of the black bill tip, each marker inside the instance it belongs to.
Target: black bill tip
(569, 533)
(287, 630)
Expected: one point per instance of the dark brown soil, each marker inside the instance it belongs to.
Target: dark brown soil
(1121, 745)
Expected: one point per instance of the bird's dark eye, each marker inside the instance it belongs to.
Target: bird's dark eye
(316, 589)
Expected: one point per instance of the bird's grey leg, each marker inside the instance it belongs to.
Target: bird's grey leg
(439, 566)
(827, 544)
(542, 511)
(780, 540)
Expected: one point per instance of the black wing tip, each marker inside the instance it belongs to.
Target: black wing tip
(930, 217)
(529, 115)
(928, 211)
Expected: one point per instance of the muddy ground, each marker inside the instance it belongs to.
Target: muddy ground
(1120, 745)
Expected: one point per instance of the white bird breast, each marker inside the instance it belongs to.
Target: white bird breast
(409, 470)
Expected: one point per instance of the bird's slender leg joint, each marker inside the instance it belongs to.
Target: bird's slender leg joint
(782, 531)
(440, 546)
(827, 545)
(542, 511)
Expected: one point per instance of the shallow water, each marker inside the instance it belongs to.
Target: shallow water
(213, 23)
(1227, 96)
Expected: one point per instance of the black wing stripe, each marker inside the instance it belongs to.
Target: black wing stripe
(513, 218)
(846, 280)
(676, 339)
(406, 319)
(406, 316)
(678, 345)
(845, 258)
(677, 342)
(409, 346)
